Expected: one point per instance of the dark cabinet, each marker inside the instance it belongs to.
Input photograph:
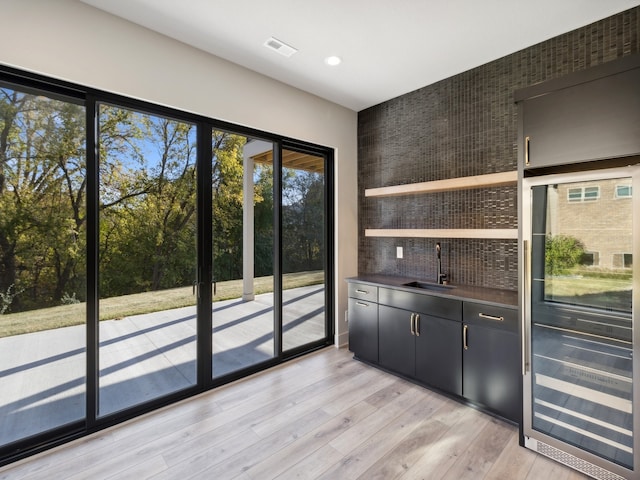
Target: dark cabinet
(491, 359)
(439, 354)
(396, 340)
(590, 115)
(418, 344)
(363, 321)
(460, 347)
(363, 329)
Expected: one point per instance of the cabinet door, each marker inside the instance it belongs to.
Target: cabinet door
(491, 370)
(395, 340)
(594, 120)
(439, 353)
(363, 329)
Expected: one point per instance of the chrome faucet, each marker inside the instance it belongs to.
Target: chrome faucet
(439, 275)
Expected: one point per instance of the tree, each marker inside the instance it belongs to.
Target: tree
(42, 194)
(562, 252)
(227, 188)
(263, 220)
(148, 208)
(303, 221)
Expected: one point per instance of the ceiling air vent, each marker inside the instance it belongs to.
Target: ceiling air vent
(280, 47)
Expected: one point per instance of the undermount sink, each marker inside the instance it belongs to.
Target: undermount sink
(428, 286)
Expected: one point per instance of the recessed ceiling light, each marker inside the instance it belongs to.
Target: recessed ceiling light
(333, 60)
(280, 47)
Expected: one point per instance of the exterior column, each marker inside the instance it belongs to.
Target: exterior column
(248, 247)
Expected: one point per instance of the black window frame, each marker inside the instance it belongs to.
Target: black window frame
(90, 98)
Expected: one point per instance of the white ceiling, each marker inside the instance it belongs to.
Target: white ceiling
(388, 47)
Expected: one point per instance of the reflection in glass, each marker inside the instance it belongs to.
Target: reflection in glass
(588, 245)
(581, 311)
(147, 255)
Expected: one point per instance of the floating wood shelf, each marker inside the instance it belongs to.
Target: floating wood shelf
(487, 233)
(460, 183)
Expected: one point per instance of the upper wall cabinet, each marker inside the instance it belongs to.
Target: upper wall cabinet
(590, 115)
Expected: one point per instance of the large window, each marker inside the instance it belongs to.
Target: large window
(43, 232)
(146, 254)
(242, 245)
(303, 248)
(147, 257)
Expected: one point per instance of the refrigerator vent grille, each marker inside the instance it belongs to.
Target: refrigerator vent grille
(576, 463)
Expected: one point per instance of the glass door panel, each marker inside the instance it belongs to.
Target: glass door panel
(243, 244)
(42, 263)
(303, 249)
(581, 315)
(147, 257)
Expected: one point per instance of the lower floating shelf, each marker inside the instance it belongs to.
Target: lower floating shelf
(489, 233)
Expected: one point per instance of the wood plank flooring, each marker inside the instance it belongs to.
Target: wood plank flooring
(323, 416)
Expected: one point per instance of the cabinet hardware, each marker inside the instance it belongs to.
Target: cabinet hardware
(526, 151)
(417, 322)
(464, 337)
(364, 292)
(491, 317)
(413, 332)
(361, 304)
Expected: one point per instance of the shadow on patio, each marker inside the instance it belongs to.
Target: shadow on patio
(141, 357)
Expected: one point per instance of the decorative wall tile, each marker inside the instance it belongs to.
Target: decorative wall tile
(462, 126)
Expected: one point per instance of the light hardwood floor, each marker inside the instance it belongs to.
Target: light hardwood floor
(322, 416)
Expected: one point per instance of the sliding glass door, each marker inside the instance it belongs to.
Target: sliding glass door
(147, 257)
(42, 263)
(303, 249)
(242, 252)
(146, 254)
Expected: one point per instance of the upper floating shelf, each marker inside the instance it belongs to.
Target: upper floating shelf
(461, 183)
(486, 233)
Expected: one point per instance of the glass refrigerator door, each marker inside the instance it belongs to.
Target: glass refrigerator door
(581, 284)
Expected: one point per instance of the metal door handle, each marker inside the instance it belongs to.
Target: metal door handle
(526, 151)
(491, 317)
(413, 332)
(417, 322)
(464, 337)
(526, 286)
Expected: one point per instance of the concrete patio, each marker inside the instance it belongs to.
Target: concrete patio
(141, 357)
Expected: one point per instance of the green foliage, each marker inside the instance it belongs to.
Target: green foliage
(562, 253)
(147, 205)
(303, 221)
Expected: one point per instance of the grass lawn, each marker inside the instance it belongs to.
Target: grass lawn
(126, 305)
(600, 292)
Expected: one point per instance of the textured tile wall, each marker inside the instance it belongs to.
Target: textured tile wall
(464, 125)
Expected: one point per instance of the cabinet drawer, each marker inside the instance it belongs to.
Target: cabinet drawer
(421, 303)
(363, 291)
(363, 329)
(493, 316)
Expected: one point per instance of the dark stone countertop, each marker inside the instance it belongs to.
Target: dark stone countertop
(490, 296)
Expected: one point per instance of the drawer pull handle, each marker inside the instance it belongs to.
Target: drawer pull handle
(417, 322)
(361, 304)
(364, 292)
(491, 317)
(413, 316)
(464, 337)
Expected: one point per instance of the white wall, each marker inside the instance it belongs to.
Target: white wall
(69, 40)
